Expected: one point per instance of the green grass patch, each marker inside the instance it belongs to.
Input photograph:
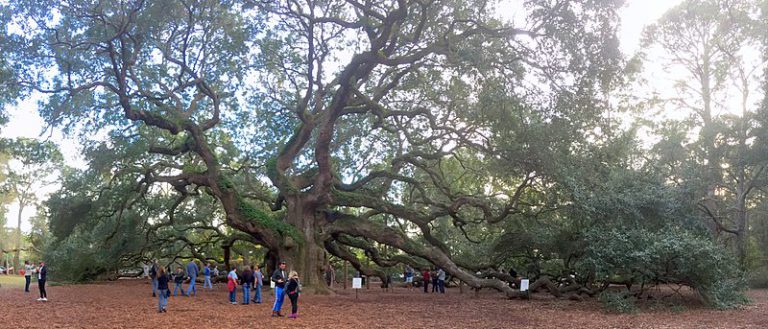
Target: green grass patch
(11, 281)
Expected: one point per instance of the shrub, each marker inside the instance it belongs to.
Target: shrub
(617, 301)
(668, 256)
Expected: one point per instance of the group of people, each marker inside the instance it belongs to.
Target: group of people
(436, 277)
(285, 284)
(41, 273)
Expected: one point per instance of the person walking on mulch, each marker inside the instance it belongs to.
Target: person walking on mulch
(232, 286)
(280, 278)
(192, 271)
(42, 276)
(179, 280)
(246, 280)
(207, 275)
(258, 279)
(293, 291)
(162, 290)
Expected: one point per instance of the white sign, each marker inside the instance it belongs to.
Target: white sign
(357, 283)
(524, 285)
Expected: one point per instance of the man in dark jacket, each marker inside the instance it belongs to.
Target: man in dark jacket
(279, 277)
(42, 275)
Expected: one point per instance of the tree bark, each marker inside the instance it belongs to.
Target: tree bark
(17, 254)
(306, 256)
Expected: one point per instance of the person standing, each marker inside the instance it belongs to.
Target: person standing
(246, 280)
(441, 280)
(258, 279)
(207, 275)
(425, 279)
(408, 277)
(42, 276)
(232, 286)
(192, 272)
(179, 280)
(153, 270)
(162, 290)
(293, 294)
(28, 269)
(279, 277)
(434, 281)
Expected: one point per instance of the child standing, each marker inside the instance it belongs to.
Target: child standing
(293, 294)
(179, 280)
(162, 287)
(232, 286)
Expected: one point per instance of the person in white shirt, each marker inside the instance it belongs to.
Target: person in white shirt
(29, 269)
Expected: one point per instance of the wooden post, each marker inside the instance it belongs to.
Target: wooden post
(345, 274)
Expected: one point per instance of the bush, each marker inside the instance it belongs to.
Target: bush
(668, 256)
(617, 301)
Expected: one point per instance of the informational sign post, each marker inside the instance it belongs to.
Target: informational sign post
(357, 283)
(524, 285)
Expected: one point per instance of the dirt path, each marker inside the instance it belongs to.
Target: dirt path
(128, 304)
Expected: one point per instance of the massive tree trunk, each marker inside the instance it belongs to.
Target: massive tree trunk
(306, 254)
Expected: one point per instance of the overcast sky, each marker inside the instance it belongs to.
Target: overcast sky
(25, 122)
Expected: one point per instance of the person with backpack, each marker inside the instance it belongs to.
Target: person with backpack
(162, 290)
(293, 291)
(232, 286)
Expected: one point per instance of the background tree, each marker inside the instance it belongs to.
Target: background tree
(710, 50)
(32, 165)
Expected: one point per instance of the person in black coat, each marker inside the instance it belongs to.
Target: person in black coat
(293, 294)
(162, 287)
(42, 276)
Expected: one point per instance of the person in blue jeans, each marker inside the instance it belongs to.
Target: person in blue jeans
(441, 280)
(179, 280)
(153, 275)
(232, 286)
(280, 278)
(246, 280)
(162, 289)
(258, 279)
(207, 275)
(192, 271)
(28, 269)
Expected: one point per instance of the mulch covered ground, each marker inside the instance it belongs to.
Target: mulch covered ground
(128, 304)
